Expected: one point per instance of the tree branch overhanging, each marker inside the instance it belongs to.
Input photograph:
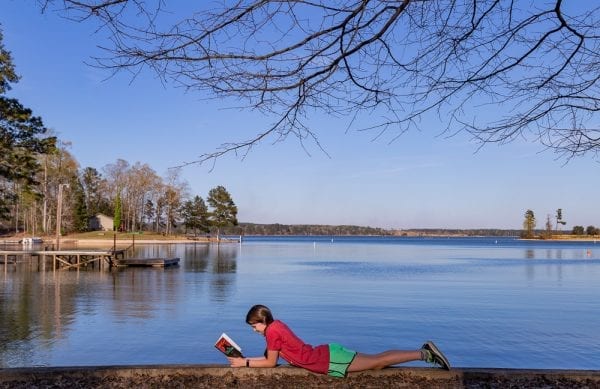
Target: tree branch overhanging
(496, 69)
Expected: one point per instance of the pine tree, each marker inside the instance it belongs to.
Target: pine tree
(20, 137)
(529, 224)
(117, 218)
(224, 210)
(195, 215)
(80, 214)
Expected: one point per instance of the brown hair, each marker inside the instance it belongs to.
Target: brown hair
(259, 314)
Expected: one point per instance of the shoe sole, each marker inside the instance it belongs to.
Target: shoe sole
(438, 354)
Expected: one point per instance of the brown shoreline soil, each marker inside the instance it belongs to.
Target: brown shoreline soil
(203, 376)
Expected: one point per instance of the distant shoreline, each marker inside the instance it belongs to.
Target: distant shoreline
(128, 239)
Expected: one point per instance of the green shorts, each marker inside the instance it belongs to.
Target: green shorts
(340, 359)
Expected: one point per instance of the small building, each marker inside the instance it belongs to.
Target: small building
(101, 222)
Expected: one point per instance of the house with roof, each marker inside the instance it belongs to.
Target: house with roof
(101, 222)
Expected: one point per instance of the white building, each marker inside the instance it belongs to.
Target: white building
(101, 222)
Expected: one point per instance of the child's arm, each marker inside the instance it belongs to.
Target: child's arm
(269, 361)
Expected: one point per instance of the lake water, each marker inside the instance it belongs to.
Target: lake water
(486, 302)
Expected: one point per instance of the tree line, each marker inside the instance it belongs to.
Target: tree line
(552, 227)
(135, 196)
(37, 172)
(590, 230)
(304, 229)
(349, 230)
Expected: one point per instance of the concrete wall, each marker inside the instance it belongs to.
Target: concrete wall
(208, 376)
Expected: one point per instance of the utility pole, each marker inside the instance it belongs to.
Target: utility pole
(59, 213)
(45, 189)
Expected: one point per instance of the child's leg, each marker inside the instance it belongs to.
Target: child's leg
(379, 361)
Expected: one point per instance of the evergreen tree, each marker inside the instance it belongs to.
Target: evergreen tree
(223, 210)
(80, 213)
(20, 137)
(117, 216)
(529, 224)
(559, 218)
(195, 215)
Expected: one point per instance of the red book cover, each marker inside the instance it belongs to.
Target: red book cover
(228, 347)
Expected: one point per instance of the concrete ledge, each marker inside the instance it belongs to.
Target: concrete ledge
(218, 376)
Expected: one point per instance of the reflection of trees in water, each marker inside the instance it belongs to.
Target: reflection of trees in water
(139, 291)
(195, 258)
(554, 254)
(34, 306)
(224, 267)
(224, 259)
(550, 266)
(155, 251)
(38, 307)
(530, 267)
(17, 320)
(221, 272)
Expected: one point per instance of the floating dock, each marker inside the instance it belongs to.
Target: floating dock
(154, 262)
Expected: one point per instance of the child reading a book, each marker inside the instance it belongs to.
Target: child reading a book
(332, 359)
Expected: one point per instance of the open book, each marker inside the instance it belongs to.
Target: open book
(228, 347)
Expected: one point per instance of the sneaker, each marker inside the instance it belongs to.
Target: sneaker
(436, 356)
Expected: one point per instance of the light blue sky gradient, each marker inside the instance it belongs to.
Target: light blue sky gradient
(421, 180)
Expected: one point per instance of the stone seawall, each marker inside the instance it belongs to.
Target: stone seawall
(210, 376)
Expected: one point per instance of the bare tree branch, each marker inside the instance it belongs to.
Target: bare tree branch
(497, 69)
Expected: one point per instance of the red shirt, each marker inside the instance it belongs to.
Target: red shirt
(294, 350)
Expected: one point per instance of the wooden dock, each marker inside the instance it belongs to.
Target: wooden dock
(154, 262)
(63, 258)
(81, 258)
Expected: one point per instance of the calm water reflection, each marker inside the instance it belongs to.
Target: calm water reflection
(487, 302)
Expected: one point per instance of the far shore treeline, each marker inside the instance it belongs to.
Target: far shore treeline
(350, 230)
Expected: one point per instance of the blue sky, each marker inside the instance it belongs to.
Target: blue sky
(422, 180)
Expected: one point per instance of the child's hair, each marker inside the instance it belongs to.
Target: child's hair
(259, 314)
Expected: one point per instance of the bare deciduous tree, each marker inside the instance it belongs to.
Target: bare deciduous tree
(143, 182)
(174, 191)
(496, 69)
(135, 183)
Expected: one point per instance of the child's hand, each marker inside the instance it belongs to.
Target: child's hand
(237, 362)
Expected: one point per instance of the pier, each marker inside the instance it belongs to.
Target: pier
(78, 258)
(63, 258)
